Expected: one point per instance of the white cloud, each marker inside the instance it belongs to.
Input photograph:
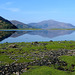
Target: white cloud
(13, 9)
(8, 6)
(10, 9)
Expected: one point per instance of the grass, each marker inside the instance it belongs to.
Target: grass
(23, 47)
(22, 60)
(26, 49)
(62, 29)
(23, 29)
(45, 70)
(70, 60)
(28, 52)
(40, 29)
(4, 59)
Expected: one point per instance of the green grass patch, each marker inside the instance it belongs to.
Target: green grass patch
(28, 49)
(22, 60)
(23, 29)
(28, 52)
(70, 60)
(44, 70)
(4, 59)
(62, 29)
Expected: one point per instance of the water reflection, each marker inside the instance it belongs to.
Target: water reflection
(33, 35)
(5, 34)
(19, 33)
(51, 33)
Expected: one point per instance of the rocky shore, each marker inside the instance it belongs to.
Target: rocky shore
(46, 58)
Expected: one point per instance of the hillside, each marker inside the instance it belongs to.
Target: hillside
(50, 24)
(5, 24)
(20, 25)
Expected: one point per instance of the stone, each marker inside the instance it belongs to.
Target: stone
(12, 46)
(51, 41)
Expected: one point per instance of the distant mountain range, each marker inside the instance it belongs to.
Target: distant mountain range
(51, 24)
(47, 24)
(20, 25)
(5, 24)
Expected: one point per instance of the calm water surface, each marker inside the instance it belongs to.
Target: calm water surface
(36, 35)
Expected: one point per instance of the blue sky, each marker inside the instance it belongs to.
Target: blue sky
(28, 11)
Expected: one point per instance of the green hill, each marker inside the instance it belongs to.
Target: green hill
(5, 24)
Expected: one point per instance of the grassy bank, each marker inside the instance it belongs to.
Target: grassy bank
(42, 58)
(23, 29)
(63, 29)
(39, 29)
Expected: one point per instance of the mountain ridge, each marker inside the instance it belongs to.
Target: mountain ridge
(20, 25)
(46, 24)
(49, 24)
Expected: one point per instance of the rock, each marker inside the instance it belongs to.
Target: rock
(17, 73)
(46, 58)
(12, 46)
(0, 36)
(51, 41)
(35, 43)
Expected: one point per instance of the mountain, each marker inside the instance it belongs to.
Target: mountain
(50, 24)
(20, 25)
(5, 24)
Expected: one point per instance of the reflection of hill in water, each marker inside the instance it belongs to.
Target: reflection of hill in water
(51, 33)
(19, 33)
(5, 34)
(44, 33)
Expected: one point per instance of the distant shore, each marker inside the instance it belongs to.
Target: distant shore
(40, 29)
(21, 29)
